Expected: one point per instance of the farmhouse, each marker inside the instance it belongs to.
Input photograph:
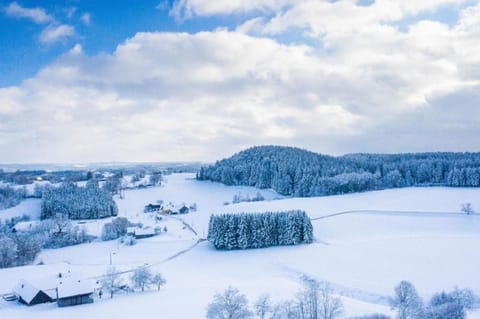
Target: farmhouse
(74, 292)
(152, 208)
(31, 295)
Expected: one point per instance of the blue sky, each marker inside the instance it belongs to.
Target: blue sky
(111, 22)
(200, 79)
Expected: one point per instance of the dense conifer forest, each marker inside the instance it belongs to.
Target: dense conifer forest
(76, 202)
(256, 230)
(297, 172)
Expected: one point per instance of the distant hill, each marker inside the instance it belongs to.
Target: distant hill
(298, 172)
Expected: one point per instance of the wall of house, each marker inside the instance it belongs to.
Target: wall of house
(75, 300)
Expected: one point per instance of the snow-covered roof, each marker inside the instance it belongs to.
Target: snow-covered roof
(26, 291)
(70, 288)
(144, 231)
(131, 230)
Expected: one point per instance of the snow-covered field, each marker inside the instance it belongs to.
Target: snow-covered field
(417, 234)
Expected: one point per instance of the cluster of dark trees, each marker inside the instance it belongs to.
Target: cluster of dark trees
(256, 230)
(297, 172)
(74, 202)
(10, 196)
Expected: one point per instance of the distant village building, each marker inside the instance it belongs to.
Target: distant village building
(152, 208)
(140, 233)
(183, 209)
(30, 295)
(74, 292)
(168, 208)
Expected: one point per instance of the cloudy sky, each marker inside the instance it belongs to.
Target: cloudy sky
(89, 81)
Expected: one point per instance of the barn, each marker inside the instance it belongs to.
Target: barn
(74, 292)
(152, 208)
(30, 295)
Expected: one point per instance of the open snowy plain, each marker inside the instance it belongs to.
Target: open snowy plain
(365, 244)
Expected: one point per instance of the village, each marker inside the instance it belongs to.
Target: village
(70, 287)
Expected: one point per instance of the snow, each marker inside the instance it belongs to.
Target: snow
(415, 234)
(29, 207)
(74, 287)
(26, 290)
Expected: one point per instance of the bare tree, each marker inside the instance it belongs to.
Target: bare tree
(158, 280)
(286, 310)
(8, 252)
(467, 208)
(230, 304)
(142, 277)
(317, 302)
(407, 302)
(262, 306)
(111, 281)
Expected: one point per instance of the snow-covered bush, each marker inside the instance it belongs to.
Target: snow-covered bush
(242, 231)
(116, 228)
(129, 240)
(89, 202)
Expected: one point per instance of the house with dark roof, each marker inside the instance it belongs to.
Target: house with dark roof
(30, 295)
(152, 208)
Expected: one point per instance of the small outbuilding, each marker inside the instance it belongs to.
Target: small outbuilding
(74, 292)
(30, 295)
(183, 209)
(152, 208)
(144, 232)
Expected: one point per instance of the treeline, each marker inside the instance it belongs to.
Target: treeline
(318, 300)
(256, 230)
(297, 172)
(75, 202)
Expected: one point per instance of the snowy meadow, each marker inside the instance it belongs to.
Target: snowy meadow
(364, 245)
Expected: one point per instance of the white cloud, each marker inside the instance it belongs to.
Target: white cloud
(363, 85)
(185, 9)
(54, 33)
(86, 18)
(38, 15)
